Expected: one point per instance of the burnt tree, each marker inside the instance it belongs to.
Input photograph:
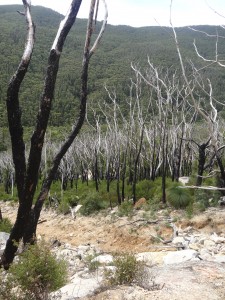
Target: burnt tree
(26, 173)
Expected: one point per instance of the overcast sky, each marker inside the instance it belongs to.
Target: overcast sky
(139, 13)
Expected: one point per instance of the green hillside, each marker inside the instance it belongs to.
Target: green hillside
(110, 65)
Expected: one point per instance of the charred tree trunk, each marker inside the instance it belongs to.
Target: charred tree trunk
(176, 165)
(96, 172)
(201, 161)
(136, 166)
(35, 213)
(26, 222)
(18, 147)
(153, 157)
(108, 178)
(222, 172)
(118, 179)
(164, 153)
(124, 175)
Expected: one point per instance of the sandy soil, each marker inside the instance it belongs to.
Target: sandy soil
(143, 232)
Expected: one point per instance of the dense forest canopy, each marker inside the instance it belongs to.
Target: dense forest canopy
(111, 66)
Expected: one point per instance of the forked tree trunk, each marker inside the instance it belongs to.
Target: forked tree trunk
(27, 178)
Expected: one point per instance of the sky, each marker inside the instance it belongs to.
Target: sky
(138, 13)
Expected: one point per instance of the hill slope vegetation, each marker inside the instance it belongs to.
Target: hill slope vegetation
(110, 66)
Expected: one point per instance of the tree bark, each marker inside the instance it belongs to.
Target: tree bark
(30, 233)
(201, 161)
(136, 166)
(27, 180)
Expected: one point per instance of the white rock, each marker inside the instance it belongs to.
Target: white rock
(114, 210)
(209, 244)
(177, 257)
(82, 249)
(3, 239)
(194, 246)
(151, 258)
(81, 287)
(222, 250)
(217, 239)
(205, 255)
(219, 258)
(103, 259)
(178, 240)
(183, 180)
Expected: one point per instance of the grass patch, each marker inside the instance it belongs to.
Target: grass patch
(5, 225)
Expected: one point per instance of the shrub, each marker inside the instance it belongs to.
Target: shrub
(92, 264)
(127, 271)
(38, 272)
(125, 209)
(178, 197)
(144, 189)
(5, 225)
(206, 198)
(92, 203)
(67, 202)
(7, 287)
(155, 193)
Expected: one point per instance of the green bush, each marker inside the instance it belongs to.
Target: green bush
(5, 225)
(178, 197)
(92, 202)
(7, 197)
(206, 198)
(7, 288)
(144, 189)
(126, 209)
(67, 202)
(38, 272)
(155, 193)
(127, 271)
(92, 264)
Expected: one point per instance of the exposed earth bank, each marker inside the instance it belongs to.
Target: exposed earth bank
(162, 235)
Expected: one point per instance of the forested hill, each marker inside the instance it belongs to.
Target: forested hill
(120, 46)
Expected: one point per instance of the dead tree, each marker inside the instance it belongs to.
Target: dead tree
(26, 173)
(210, 116)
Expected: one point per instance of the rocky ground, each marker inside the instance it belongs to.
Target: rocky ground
(185, 258)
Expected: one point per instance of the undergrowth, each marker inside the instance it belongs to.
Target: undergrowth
(34, 275)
